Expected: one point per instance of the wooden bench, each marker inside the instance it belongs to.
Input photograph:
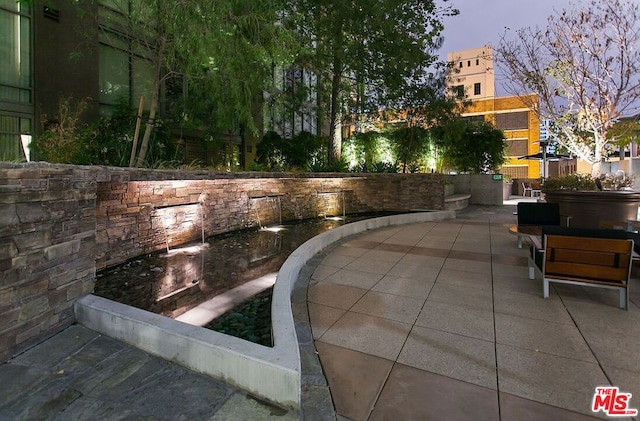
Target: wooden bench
(586, 261)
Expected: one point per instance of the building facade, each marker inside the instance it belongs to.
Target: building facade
(473, 80)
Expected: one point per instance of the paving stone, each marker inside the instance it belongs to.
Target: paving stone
(243, 407)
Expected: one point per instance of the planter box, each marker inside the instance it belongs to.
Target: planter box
(589, 208)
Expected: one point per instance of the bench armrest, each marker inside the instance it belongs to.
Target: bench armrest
(535, 240)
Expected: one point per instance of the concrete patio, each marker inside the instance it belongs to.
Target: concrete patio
(438, 321)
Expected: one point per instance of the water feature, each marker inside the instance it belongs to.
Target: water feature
(177, 281)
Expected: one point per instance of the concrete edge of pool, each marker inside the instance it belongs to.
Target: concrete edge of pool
(270, 373)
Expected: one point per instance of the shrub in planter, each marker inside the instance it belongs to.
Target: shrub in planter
(593, 202)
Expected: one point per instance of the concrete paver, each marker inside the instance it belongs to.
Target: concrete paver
(484, 344)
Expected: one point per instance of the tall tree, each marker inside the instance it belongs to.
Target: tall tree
(365, 52)
(584, 68)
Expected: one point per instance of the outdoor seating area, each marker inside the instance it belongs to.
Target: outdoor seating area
(531, 189)
(417, 319)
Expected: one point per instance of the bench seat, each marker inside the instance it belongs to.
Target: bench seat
(585, 261)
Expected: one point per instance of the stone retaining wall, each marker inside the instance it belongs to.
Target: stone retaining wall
(47, 250)
(61, 223)
(141, 216)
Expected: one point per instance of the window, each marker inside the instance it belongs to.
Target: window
(125, 69)
(477, 62)
(516, 147)
(513, 121)
(458, 91)
(300, 85)
(113, 75)
(474, 119)
(476, 88)
(461, 65)
(13, 130)
(15, 52)
(16, 104)
(468, 63)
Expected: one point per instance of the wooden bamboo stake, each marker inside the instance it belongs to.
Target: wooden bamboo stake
(137, 132)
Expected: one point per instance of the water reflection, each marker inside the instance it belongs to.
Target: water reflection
(175, 282)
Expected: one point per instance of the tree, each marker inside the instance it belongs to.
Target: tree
(365, 52)
(223, 47)
(470, 147)
(584, 68)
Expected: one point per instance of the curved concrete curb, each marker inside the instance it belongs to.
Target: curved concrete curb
(271, 373)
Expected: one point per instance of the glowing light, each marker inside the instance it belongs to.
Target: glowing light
(189, 249)
(276, 228)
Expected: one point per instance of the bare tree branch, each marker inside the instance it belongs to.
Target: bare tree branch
(584, 68)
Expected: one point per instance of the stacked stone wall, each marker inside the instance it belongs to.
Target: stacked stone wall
(143, 216)
(47, 250)
(59, 224)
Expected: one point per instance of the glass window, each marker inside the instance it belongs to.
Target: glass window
(15, 53)
(12, 130)
(142, 81)
(476, 88)
(114, 75)
(513, 121)
(516, 147)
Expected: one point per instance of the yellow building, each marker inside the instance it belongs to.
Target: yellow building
(473, 80)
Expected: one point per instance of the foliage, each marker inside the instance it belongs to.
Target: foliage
(364, 149)
(61, 142)
(410, 145)
(303, 151)
(570, 182)
(337, 165)
(365, 52)
(470, 147)
(107, 142)
(224, 49)
(381, 167)
(617, 181)
(624, 132)
(584, 68)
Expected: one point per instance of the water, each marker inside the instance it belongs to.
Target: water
(173, 283)
(250, 320)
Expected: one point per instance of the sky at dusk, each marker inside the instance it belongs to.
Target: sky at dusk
(482, 22)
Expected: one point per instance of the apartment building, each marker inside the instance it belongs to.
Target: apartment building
(474, 81)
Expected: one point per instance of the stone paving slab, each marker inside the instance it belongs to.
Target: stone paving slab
(484, 345)
(82, 375)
